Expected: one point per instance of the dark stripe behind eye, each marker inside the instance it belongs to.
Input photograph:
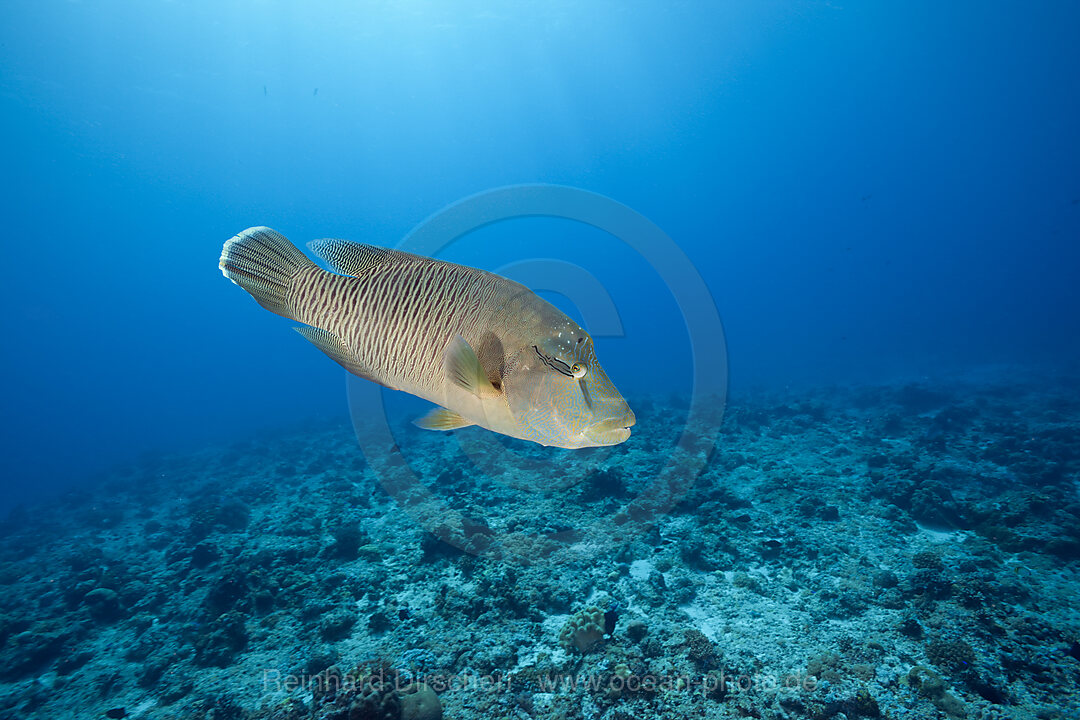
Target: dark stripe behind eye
(554, 363)
(585, 392)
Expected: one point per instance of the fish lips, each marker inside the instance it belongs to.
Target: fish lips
(611, 431)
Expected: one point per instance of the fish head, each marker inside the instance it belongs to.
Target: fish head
(560, 395)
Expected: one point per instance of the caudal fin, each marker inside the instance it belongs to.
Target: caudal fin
(264, 262)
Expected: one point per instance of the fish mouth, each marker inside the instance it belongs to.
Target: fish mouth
(611, 431)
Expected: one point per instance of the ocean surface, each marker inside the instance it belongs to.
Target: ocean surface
(827, 251)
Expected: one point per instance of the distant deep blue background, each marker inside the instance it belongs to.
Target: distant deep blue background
(871, 190)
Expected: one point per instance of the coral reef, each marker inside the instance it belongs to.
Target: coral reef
(584, 630)
(898, 551)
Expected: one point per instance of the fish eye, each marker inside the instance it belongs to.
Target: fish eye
(578, 370)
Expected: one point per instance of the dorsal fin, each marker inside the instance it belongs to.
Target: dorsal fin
(357, 259)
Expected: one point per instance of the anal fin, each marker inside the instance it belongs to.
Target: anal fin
(442, 419)
(336, 349)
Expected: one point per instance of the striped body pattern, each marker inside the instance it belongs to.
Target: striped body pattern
(399, 318)
(486, 349)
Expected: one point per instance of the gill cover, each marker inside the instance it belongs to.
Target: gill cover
(545, 398)
(560, 395)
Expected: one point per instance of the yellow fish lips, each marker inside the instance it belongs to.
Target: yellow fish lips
(611, 431)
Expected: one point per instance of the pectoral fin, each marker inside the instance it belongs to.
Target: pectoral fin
(442, 419)
(464, 370)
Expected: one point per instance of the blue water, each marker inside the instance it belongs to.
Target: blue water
(869, 190)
